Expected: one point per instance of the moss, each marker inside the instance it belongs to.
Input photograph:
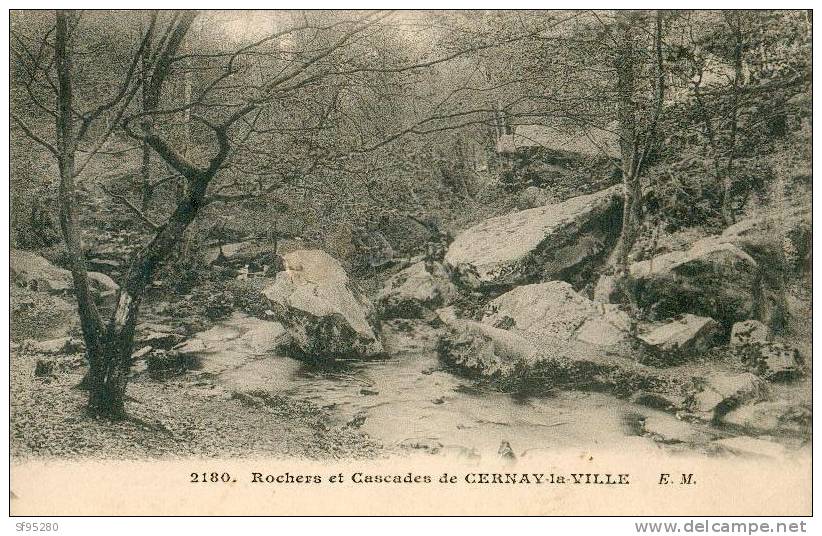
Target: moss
(544, 375)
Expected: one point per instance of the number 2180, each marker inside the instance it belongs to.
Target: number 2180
(211, 477)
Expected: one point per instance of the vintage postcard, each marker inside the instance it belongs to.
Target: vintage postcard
(410, 262)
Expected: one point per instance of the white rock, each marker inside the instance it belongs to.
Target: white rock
(483, 349)
(543, 241)
(669, 429)
(554, 309)
(323, 311)
(721, 392)
(32, 270)
(415, 291)
(684, 336)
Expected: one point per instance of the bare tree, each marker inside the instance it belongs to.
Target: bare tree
(637, 127)
(109, 344)
(258, 95)
(734, 21)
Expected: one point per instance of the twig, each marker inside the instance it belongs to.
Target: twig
(139, 213)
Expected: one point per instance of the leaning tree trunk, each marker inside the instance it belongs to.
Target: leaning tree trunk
(150, 100)
(110, 361)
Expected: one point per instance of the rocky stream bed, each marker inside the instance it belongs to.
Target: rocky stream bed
(498, 349)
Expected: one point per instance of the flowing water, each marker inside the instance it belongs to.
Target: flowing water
(410, 401)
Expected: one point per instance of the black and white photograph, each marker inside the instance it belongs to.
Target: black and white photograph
(545, 259)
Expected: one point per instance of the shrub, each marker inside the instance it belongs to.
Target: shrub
(218, 305)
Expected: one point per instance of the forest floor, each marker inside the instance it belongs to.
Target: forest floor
(180, 417)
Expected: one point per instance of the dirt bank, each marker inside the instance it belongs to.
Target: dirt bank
(179, 417)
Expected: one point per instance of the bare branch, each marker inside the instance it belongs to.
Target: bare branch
(131, 206)
(34, 137)
(89, 117)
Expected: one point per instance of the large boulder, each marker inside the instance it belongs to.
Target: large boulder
(554, 309)
(483, 350)
(539, 243)
(732, 277)
(516, 360)
(713, 278)
(323, 311)
(33, 271)
(781, 242)
(778, 238)
(417, 291)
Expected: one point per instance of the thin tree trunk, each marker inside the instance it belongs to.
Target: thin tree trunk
(635, 149)
(626, 114)
(727, 182)
(713, 151)
(187, 141)
(90, 321)
(149, 105)
(180, 190)
(145, 179)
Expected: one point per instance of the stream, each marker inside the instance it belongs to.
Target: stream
(409, 402)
